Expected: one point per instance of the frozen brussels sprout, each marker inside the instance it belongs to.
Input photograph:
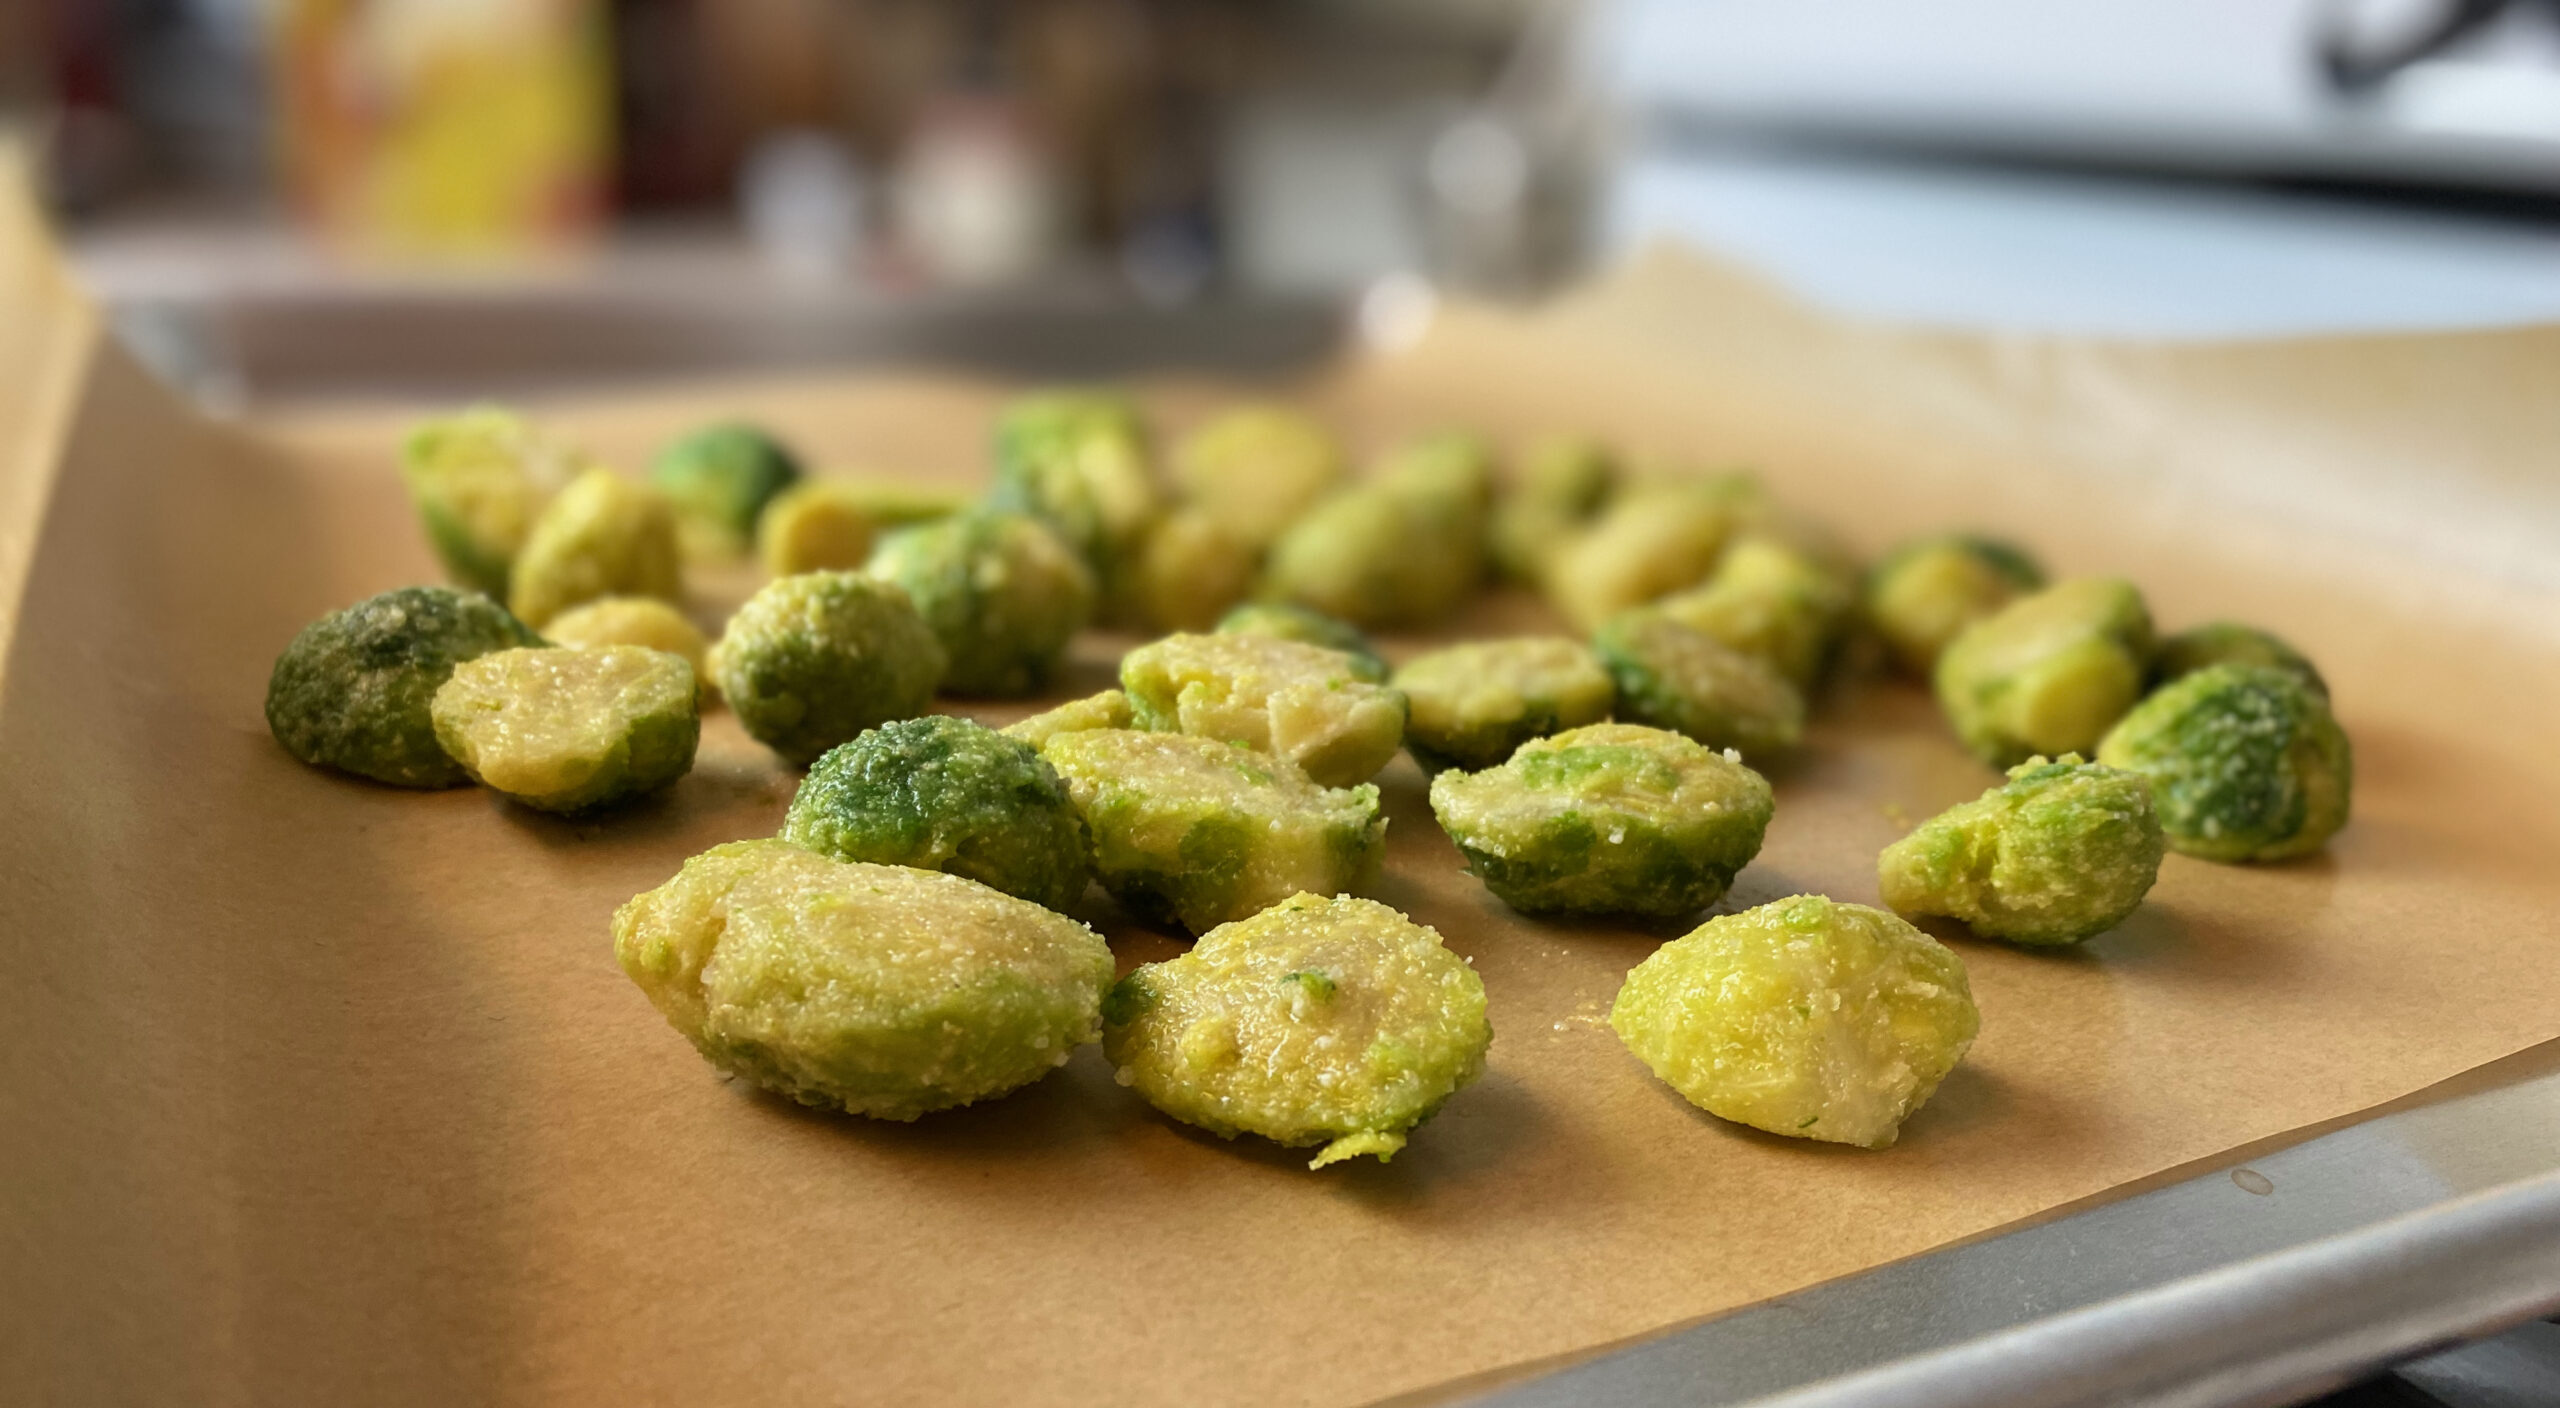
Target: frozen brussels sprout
(479, 478)
(1254, 469)
(1003, 594)
(1650, 542)
(629, 620)
(1192, 570)
(570, 729)
(2061, 852)
(1078, 462)
(1336, 1022)
(1472, 704)
(1927, 591)
(2230, 643)
(1771, 601)
(602, 536)
(1196, 832)
(1680, 678)
(876, 989)
(1299, 702)
(830, 525)
(812, 660)
(1802, 1017)
(354, 689)
(940, 793)
(1562, 485)
(2245, 763)
(1280, 620)
(1109, 709)
(1610, 819)
(2048, 673)
(1403, 549)
(719, 478)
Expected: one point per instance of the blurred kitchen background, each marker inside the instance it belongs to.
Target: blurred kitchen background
(320, 197)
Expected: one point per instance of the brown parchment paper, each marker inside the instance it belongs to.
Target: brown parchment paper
(313, 1091)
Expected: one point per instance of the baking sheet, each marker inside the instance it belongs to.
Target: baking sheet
(315, 1090)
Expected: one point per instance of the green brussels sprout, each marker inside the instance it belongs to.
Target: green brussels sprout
(1254, 469)
(1281, 620)
(2245, 763)
(720, 478)
(1610, 819)
(2048, 673)
(1803, 1017)
(1770, 601)
(1109, 709)
(876, 989)
(571, 729)
(1078, 462)
(1928, 590)
(2061, 852)
(354, 690)
(1192, 569)
(1196, 832)
(1651, 541)
(2230, 643)
(813, 660)
(830, 525)
(1403, 549)
(1680, 678)
(1336, 1022)
(1472, 704)
(630, 620)
(479, 478)
(602, 536)
(1303, 703)
(1562, 486)
(940, 793)
(1003, 594)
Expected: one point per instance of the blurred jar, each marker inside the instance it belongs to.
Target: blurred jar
(474, 131)
(978, 195)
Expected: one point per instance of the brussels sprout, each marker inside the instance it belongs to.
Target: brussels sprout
(1109, 709)
(2230, 643)
(2245, 763)
(1678, 677)
(1280, 620)
(830, 525)
(479, 478)
(1651, 541)
(1610, 819)
(720, 478)
(1771, 601)
(1079, 463)
(2061, 852)
(1303, 703)
(875, 989)
(1192, 570)
(1562, 486)
(1003, 594)
(1803, 1017)
(1254, 469)
(630, 620)
(1403, 549)
(812, 660)
(570, 729)
(353, 691)
(940, 793)
(1318, 1021)
(2048, 673)
(602, 536)
(1196, 832)
(1927, 591)
(1472, 704)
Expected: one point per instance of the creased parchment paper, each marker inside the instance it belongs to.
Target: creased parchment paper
(314, 1091)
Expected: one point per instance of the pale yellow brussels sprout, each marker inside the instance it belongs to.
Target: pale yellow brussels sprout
(1109, 709)
(830, 525)
(1303, 703)
(2230, 643)
(2061, 852)
(479, 479)
(1803, 1017)
(810, 661)
(1472, 704)
(602, 536)
(1680, 678)
(1334, 1022)
(2245, 763)
(1610, 819)
(1770, 600)
(1003, 593)
(1927, 591)
(1193, 569)
(1195, 832)
(570, 729)
(1562, 485)
(1078, 461)
(1651, 541)
(1403, 549)
(1282, 621)
(2048, 673)
(874, 989)
(630, 620)
(1254, 469)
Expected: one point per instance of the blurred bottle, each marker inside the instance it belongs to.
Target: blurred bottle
(979, 198)
(472, 131)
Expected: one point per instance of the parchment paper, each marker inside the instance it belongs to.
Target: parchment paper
(318, 1091)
